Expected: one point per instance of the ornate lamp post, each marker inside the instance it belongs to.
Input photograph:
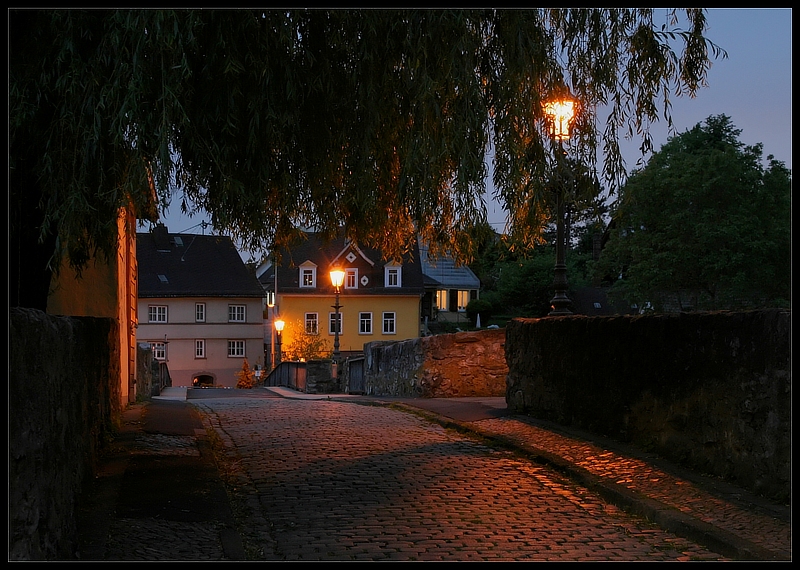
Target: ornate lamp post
(337, 278)
(279, 324)
(560, 114)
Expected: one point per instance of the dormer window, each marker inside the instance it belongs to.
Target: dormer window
(393, 275)
(308, 275)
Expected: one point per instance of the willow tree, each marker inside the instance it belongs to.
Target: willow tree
(375, 121)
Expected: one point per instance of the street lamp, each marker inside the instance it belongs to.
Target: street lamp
(279, 324)
(337, 278)
(560, 114)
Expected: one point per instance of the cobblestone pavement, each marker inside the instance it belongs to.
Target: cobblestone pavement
(314, 480)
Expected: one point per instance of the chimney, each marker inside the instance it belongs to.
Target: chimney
(161, 237)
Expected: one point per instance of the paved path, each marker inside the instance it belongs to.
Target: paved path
(329, 480)
(348, 478)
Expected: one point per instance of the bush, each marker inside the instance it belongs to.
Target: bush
(246, 378)
(479, 307)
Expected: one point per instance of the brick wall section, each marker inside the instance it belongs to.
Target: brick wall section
(441, 366)
(63, 393)
(711, 391)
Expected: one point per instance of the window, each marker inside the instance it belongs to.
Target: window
(157, 313)
(236, 314)
(200, 348)
(364, 323)
(312, 323)
(393, 276)
(351, 278)
(389, 323)
(308, 275)
(441, 299)
(159, 350)
(463, 299)
(199, 312)
(332, 323)
(235, 348)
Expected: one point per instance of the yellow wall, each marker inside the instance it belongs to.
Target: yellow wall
(105, 289)
(292, 309)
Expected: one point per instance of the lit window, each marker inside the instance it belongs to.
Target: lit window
(235, 348)
(441, 299)
(308, 275)
(157, 313)
(332, 323)
(351, 278)
(365, 323)
(200, 312)
(236, 314)
(200, 348)
(389, 323)
(463, 299)
(312, 323)
(159, 350)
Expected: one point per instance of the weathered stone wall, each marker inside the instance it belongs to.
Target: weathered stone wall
(441, 366)
(319, 379)
(711, 391)
(63, 396)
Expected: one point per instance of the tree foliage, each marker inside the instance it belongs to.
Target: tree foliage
(270, 120)
(705, 222)
(245, 378)
(305, 346)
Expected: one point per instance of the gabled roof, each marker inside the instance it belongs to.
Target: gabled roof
(325, 255)
(191, 265)
(442, 272)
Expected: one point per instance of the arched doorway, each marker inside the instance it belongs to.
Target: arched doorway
(203, 381)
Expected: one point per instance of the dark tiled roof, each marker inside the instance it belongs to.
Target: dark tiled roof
(190, 265)
(370, 263)
(443, 272)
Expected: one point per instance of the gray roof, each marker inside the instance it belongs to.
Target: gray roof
(443, 272)
(191, 265)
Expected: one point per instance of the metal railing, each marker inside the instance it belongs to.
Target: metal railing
(288, 374)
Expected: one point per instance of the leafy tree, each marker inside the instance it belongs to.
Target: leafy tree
(270, 120)
(305, 346)
(245, 378)
(705, 221)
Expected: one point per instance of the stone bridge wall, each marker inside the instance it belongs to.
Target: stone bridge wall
(441, 366)
(711, 391)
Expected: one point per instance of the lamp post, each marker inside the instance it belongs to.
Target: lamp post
(560, 114)
(279, 324)
(337, 278)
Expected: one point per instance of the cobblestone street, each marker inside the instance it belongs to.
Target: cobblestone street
(329, 480)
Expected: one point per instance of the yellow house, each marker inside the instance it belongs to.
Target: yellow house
(379, 299)
(106, 289)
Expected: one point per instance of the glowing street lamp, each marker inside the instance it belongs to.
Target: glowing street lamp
(560, 114)
(337, 278)
(279, 324)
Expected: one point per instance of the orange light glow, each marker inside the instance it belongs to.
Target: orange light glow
(279, 324)
(337, 278)
(561, 114)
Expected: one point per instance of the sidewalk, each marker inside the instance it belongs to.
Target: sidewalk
(723, 518)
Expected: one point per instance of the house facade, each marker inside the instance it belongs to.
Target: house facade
(380, 300)
(449, 287)
(201, 308)
(106, 288)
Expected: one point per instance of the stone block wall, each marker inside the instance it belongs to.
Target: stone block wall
(63, 397)
(711, 391)
(441, 366)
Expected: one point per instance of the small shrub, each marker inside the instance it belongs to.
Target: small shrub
(479, 307)
(246, 378)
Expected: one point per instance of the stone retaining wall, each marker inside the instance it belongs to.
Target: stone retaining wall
(63, 397)
(441, 366)
(711, 391)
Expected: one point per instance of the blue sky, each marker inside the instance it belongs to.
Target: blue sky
(753, 86)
